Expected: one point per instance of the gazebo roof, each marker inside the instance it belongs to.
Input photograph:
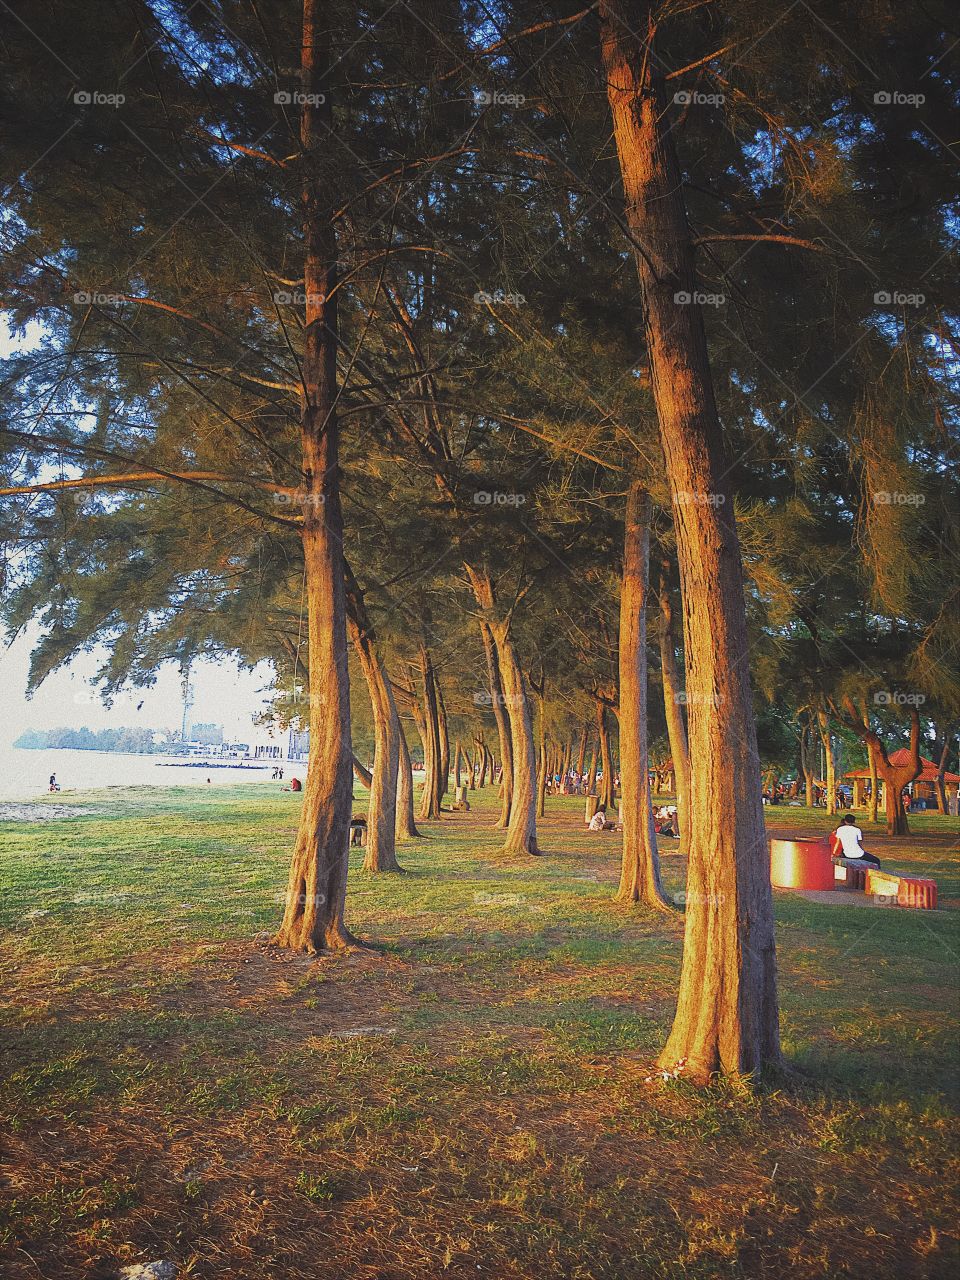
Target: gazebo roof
(928, 770)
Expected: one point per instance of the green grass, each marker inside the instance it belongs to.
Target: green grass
(476, 1097)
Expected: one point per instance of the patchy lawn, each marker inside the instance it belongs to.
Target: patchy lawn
(475, 1099)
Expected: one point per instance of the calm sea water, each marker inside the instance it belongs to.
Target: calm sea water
(26, 774)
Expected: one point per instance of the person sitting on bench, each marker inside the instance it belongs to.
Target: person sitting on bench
(847, 846)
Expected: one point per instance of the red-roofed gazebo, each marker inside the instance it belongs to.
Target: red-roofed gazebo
(922, 788)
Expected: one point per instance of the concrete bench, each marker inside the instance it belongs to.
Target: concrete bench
(905, 891)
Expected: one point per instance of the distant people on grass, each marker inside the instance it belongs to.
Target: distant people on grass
(665, 821)
(54, 784)
(846, 845)
(599, 820)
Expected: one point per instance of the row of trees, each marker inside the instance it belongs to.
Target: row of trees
(84, 739)
(477, 337)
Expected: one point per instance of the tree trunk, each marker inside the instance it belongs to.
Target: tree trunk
(640, 864)
(544, 755)
(522, 829)
(603, 735)
(406, 825)
(830, 772)
(381, 851)
(484, 763)
(727, 1015)
(939, 784)
(592, 772)
(317, 883)
(808, 760)
(582, 752)
(830, 763)
(430, 732)
(503, 723)
(874, 801)
(362, 774)
(673, 708)
(457, 751)
(443, 781)
(565, 766)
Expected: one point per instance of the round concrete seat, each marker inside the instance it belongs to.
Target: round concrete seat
(801, 864)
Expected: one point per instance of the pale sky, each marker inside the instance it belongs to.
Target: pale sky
(223, 694)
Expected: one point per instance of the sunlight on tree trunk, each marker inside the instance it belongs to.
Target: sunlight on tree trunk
(727, 1016)
(640, 864)
(317, 884)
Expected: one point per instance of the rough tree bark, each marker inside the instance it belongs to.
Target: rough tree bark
(605, 797)
(381, 850)
(430, 734)
(317, 883)
(406, 824)
(829, 761)
(443, 778)
(543, 762)
(582, 751)
(640, 864)
(522, 828)
(503, 723)
(808, 758)
(592, 771)
(873, 803)
(673, 709)
(727, 1014)
(362, 774)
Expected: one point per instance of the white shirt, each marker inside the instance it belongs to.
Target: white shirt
(850, 838)
(597, 821)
